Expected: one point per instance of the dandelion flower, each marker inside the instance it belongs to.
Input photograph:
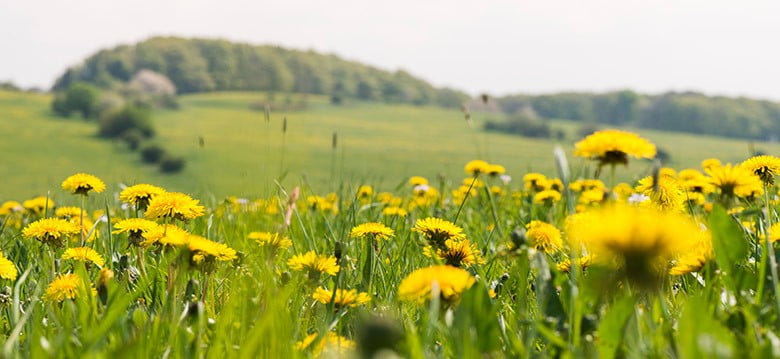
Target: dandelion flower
(273, 240)
(611, 147)
(582, 262)
(50, 230)
(495, 170)
(710, 164)
(37, 205)
(547, 196)
(166, 235)
(535, 182)
(68, 212)
(7, 268)
(451, 281)
(139, 195)
(544, 236)
(667, 195)
(460, 253)
(765, 167)
(205, 249)
(418, 181)
(342, 298)
(174, 205)
(734, 181)
(394, 211)
(9, 207)
(374, 230)
(693, 258)
(637, 241)
(438, 230)
(82, 183)
(65, 286)
(314, 264)
(476, 167)
(365, 192)
(84, 254)
(135, 228)
(333, 344)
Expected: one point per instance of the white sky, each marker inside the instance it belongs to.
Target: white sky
(498, 46)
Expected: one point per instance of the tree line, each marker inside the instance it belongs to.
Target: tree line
(202, 65)
(673, 111)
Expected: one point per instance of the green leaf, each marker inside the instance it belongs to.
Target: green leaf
(729, 245)
(612, 327)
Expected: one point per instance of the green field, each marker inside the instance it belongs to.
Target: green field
(242, 153)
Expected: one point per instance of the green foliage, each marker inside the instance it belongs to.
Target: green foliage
(521, 125)
(152, 153)
(79, 97)
(171, 164)
(684, 112)
(200, 65)
(129, 117)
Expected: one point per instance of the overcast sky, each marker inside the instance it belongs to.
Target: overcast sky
(719, 47)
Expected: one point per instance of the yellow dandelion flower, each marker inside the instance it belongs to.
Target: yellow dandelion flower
(105, 276)
(622, 191)
(547, 196)
(322, 204)
(693, 258)
(84, 254)
(472, 183)
(496, 191)
(591, 196)
(554, 184)
(165, 235)
(495, 170)
(273, 240)
(9, 207)
(374, 230)
(774, 232)
(365, 192)
(610, 147)
(206, 249)
(638, 241)
(135, 228)
(476, 167)
(65, 286)
(710, 164)
(694, 181)
(314, 264)
(342, 298)
(765, 167)
(582, 262)
(735, 181)
(50, 230)
(535, 181)
(7, 268)
(460, 253)
(37, 205)
(587, 184)
(82, 183)
(437, 230)
(174, 205)
(451, 282)
(544, 237)
(68, 212)
(418, 181)
(667, 195)
(394, 211)
(333, 345)
(139, 195)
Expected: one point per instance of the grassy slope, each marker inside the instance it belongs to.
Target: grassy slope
(242, 152)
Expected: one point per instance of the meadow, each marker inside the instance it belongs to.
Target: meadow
(243, 154)
(366, 252)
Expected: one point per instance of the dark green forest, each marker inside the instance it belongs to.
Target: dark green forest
(682, 111)
(202, 65)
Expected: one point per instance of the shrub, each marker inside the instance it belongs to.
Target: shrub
(171, 164)
(152, 153)
(521, 125)
(79, 97)
(127, 118)
(133, 138)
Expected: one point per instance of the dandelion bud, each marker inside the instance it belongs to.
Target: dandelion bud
(337, 252)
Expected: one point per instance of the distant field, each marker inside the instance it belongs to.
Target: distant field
(242, 153)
